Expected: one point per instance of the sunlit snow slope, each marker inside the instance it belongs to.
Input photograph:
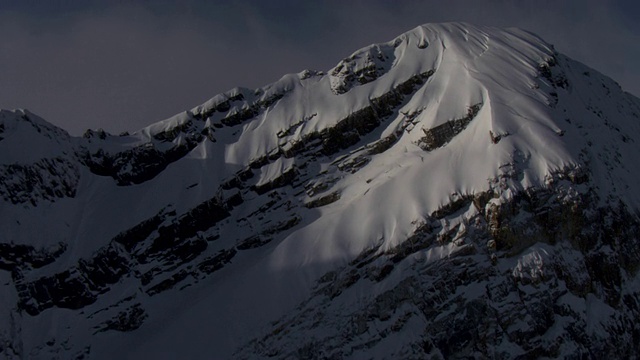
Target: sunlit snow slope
(211, 234)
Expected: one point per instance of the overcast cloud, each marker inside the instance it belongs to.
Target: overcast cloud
(125, 65)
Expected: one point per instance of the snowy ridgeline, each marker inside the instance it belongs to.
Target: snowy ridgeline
(458, 189)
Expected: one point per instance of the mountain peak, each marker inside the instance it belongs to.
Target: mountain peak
(394, 190)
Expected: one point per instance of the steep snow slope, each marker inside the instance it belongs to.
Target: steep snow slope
(282, 214)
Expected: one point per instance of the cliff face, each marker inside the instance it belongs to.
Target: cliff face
(458, 191)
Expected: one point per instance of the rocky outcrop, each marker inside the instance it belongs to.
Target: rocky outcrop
(138, 164)
(126, 320)
(202, 112)
(177, 241)
(323, 200)
(76, 287)
(286, 178)
(22, 256)
(143, 162)
(239, 116)
(252, 104)
(217, 261)
(132, 237)
(44, 180)
(171, 245)
(351, 129)
(549, 71)
(361, 68)
(440, 135)
(348, 131)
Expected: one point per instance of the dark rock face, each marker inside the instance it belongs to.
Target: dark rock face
(550, 72)
(144, 162)
(348, 131)
(169, 246)
(138, 164)
(15, 256)
(126, 320)
(76, 287)
(222, 106)
(46, 179)
(247, 109)
(286, 178)
(323, 200)
(217, 261)
(178, 240)
(237, 113)
(251, 111)
(442, 134)
(361, 68)
(130, 238)
(253, 242)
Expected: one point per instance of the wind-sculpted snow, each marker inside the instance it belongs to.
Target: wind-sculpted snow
(456, 191)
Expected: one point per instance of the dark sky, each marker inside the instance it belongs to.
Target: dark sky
(121, 65)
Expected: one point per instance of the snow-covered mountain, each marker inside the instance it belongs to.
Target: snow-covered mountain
(459, 191)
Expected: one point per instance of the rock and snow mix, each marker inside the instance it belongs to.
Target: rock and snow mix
(458, 190)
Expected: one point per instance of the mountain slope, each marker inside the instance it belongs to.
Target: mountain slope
(458, 189)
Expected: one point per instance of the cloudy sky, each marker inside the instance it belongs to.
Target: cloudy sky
(121, 65)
